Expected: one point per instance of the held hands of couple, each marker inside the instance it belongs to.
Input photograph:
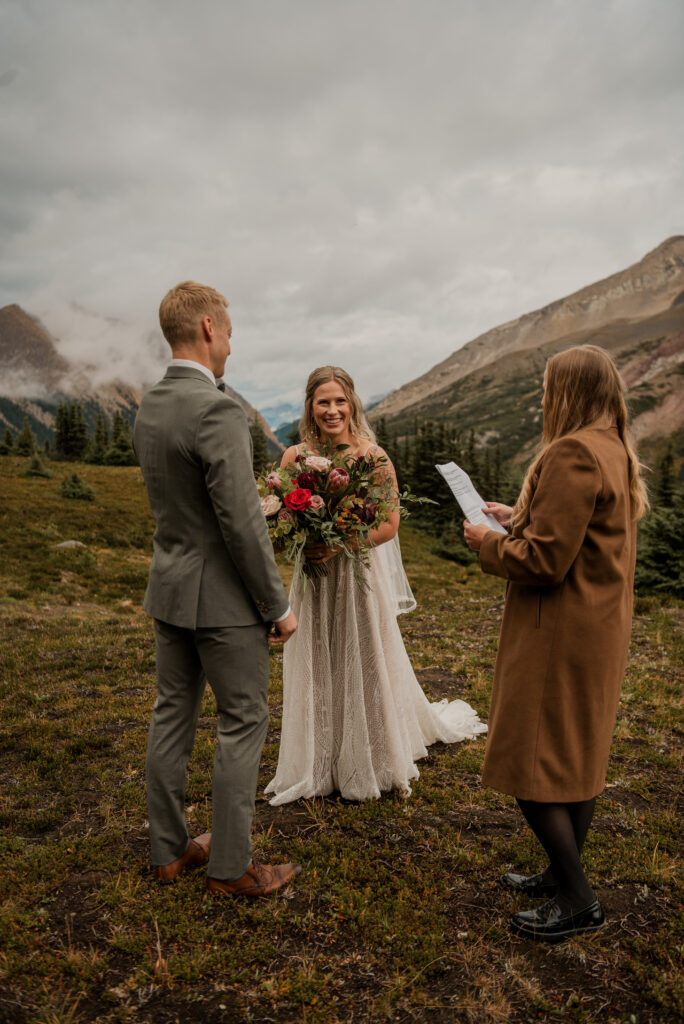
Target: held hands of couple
(474, 534)
(283, 630)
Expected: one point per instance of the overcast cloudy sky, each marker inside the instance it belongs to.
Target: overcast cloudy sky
(371, 183)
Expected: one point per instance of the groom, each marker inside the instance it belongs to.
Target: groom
(213, 592)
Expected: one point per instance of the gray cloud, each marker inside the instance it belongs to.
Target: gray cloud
(371, 183)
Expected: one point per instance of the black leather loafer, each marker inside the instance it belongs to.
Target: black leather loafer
(549, 923)
(533, 886)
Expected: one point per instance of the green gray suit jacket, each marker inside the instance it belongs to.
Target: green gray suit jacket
(213, 562)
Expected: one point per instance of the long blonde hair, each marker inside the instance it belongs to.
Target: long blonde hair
(308, 431)
(583, 386)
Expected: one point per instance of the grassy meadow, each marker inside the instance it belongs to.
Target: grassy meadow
(398, 915)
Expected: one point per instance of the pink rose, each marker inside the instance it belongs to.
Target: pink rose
(270, 505)
(338, 479)
(317, 503)
(317, 463)
(285, 516)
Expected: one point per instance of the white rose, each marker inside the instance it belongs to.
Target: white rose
(317, 462)
(270, 504)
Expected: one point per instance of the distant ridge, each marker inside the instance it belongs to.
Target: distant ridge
(648, 287)
(492, 385)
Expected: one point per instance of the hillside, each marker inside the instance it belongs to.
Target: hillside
(35, 378)
(398, 914)
(493, 384)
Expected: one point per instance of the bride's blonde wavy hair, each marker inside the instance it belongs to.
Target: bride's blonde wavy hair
(358, 426)
(583, 387)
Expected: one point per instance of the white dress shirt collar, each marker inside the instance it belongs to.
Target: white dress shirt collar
(195, 366)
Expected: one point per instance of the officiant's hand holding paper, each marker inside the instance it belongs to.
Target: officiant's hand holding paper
(472, 504)
(474, 533)
(502, 513)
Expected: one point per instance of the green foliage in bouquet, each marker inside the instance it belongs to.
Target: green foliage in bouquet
(335, 499)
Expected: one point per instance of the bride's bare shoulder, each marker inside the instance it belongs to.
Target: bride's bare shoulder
(289, 455)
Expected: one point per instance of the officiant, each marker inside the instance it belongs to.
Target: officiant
(569, 562)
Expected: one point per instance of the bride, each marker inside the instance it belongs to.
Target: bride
(355, 718)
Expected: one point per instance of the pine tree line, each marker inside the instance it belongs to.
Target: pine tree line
(660, 550)
(660, 558)
(74, 442)
(415, 453)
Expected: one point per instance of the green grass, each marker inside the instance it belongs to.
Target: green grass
(397, 915)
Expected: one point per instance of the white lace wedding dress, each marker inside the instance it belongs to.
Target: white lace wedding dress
(355, 718)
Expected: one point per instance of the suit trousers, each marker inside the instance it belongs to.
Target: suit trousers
(234, 660)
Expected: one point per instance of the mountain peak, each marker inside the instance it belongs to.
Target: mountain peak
(642, 290)
(27, 350)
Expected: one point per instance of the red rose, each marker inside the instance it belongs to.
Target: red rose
(298, 499)
(306, 480)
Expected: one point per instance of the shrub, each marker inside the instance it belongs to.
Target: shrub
(74, 487)
(37, 467)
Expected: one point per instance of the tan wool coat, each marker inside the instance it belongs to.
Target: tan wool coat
(566, 623)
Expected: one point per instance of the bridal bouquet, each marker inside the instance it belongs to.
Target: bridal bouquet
(334, 500)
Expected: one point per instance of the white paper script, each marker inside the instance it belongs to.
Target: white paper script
(467, 497)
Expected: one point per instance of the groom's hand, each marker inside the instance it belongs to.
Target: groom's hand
(283, 630)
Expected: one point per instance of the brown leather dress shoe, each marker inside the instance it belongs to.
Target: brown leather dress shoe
(196, 854)
(258, 880)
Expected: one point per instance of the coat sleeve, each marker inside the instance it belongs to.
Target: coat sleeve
(560, 511)
(224, 445)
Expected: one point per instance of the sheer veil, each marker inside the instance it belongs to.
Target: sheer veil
(389, 556)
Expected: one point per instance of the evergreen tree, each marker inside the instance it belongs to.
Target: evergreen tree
(26, 440)
(292, 437)
(61, 432)
(470, 459)
(660, 552)
(117, 428)
(79, 432)
(71, 432)
(660, 557)
(381, 434)
(260, 456)
(496, 474)
(121, 451)
(455, 449)
(100, 444)
(7, 444)
(70, 418)
(402, 449)
(486, 488)
(666, 479)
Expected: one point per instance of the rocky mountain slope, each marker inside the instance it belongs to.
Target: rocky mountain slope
(493, 384)
(35, 378)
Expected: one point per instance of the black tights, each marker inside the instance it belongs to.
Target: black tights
(562, 829)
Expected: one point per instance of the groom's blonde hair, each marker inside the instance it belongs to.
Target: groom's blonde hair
(182, 309)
